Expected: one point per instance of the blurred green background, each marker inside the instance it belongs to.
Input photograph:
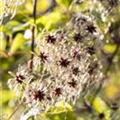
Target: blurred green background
(15, 37)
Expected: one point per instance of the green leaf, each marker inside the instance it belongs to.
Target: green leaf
(64, 3)
(49, 20)
(62, 116)
(17, 43)
(101, 107)
(109, 48)
(5, 30)
(11, 24)
(60, 107)
(61, 111)
(44, 5)
(3, 43)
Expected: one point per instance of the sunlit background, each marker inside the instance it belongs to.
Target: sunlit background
(15, 37)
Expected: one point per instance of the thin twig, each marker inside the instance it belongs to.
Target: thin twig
(33, 36)
(15, 110)
(106, 72)
(33, 33)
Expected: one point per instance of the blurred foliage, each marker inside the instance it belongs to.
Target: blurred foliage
(15, 50)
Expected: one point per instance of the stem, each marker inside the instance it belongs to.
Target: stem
(34, 9)
(33, 36)
(33, 33)
(15, 110)
(106, 72)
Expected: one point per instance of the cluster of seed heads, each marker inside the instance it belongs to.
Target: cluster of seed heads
(107, 7)
(64, 63)
(110, 3)
(8, 8)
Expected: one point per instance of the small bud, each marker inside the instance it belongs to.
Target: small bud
(91, 28)
(58, 91)
(101, 115)
(43, 57)
(64, 62)
(39, 95)
(50, 39)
